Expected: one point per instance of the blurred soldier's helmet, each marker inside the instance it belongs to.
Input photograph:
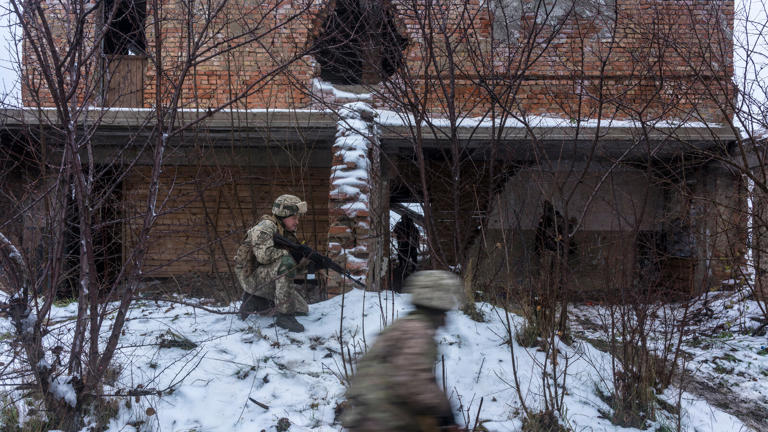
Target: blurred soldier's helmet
(288, 205)
(436, 289)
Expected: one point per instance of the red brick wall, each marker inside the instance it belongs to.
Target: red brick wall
(664, 59)
(242, 67)
(231, 63)
(209, 209)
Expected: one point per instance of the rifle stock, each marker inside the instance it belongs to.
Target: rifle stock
(321, 261)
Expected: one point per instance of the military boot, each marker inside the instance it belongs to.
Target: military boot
(289, 323)
(252, 303)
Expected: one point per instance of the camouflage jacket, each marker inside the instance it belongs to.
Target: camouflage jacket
(395, 388)
(268, 257)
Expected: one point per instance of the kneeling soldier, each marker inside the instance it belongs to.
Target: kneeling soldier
(266, 273)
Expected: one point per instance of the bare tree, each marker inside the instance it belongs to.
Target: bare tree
(68, 186)
(474, 95)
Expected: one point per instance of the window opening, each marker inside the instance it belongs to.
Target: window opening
(358, 43)
(125, 34)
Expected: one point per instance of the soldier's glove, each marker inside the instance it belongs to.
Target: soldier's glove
(299, 251)
(305, 250)
(316, 258)
(296, 255)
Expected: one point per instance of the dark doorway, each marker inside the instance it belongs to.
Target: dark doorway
(106, 227)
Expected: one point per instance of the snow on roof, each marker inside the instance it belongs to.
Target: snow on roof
(393, 118)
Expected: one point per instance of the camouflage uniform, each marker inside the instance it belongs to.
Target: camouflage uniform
(395, 388)
(265, 272)
(272, 278)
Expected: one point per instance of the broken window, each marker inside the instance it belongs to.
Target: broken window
(125, 32)
(124, 47)
(358, 43)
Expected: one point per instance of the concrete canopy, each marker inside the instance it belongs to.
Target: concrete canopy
(259, 128)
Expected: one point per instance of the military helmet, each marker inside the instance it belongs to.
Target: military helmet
(436, 289)
(288, 205)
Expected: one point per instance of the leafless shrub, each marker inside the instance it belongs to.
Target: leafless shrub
(68, 186)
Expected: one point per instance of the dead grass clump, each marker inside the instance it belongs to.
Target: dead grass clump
(544, 421)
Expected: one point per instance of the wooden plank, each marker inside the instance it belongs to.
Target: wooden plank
(125, 81)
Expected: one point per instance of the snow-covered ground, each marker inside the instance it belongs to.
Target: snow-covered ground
(219, 384)
(726, 353)
(726, 363)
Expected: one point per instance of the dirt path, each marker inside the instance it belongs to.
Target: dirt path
(752, 413)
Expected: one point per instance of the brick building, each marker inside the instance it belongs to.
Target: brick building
(615, 112)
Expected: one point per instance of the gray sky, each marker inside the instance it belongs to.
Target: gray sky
(750, 59)
(10, 51)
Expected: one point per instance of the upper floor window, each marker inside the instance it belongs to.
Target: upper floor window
(125, 34)
(358, 43)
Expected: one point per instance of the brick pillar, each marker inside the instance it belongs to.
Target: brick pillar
(349, 201)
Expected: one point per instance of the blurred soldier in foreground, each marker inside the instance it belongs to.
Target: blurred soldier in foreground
(395, 388)
(265, 272)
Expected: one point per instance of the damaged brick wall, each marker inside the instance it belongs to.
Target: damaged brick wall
(625, 59)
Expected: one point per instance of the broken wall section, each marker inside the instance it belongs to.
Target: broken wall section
(719, 223)
(621, 227)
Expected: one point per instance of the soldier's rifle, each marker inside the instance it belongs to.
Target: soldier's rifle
(304, 251)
